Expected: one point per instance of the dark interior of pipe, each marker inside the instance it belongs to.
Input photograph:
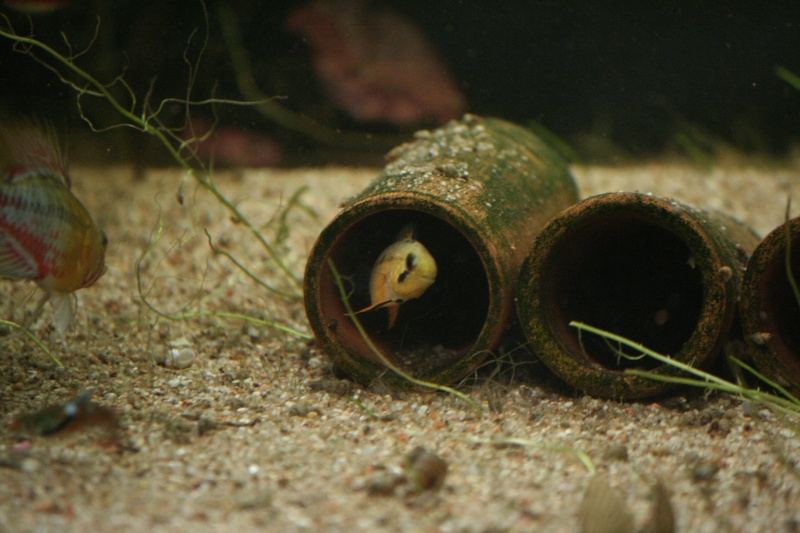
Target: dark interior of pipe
(780, 307)
(626, 274)
(430, 331)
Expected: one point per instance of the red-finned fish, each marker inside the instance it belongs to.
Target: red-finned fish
(403, 272)
(46, 234)
(77, 414)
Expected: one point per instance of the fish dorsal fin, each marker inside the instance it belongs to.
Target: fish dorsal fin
(406, 233)
(29, 146)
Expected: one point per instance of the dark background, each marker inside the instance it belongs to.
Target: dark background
(610, 78)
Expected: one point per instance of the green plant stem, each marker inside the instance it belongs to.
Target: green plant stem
(246, 271)
(281, 115)
(199, 314)
(34, 338)
(788, 76)
(787, 404)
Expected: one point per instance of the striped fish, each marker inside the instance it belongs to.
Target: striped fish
(46, 234)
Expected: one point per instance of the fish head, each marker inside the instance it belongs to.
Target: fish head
(415, 273)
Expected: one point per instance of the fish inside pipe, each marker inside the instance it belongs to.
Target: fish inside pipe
(46, 233)
(403, 272)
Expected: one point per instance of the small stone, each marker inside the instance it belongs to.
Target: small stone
(383, 483)
(425, 469)
(29, 465)
(176, 358)
(303, 410)
(704, 471)
(339, 387)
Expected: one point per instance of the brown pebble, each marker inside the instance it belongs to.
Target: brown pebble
(339, 387)
(425, 469)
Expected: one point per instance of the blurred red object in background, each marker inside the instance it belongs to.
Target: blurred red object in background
(377, 65)
(232, 146)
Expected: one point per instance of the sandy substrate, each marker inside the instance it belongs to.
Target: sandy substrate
(257, 434)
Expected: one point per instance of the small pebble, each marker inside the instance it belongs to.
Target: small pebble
(176, 358)
(383, 483)
(303, 410)
(425, 469)
(704, 471)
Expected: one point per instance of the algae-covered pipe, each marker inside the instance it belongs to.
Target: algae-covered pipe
(475, 192)
(770, 310)
(651, 269)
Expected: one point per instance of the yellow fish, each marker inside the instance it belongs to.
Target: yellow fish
(403, 272)
(46, 234)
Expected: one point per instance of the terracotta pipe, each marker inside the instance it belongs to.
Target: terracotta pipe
(476, 191)
(770, 311)
(651, 269)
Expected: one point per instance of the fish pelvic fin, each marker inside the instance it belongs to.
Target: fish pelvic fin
(392, 306)
(377, 305)
(64, 307)
(393, 310)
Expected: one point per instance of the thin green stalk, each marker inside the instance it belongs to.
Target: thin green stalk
(788, 76)
(34, 338)
(184, 316)
(246, 271)
(371, 413)
(787, 404)
(388, 364)
(282, 115)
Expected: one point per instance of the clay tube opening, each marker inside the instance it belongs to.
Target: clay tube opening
(780, 311)
(624, 273)
(431, 332)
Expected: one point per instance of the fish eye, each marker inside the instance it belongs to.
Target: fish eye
(403, 275)
(411, 261)
(103, 238)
